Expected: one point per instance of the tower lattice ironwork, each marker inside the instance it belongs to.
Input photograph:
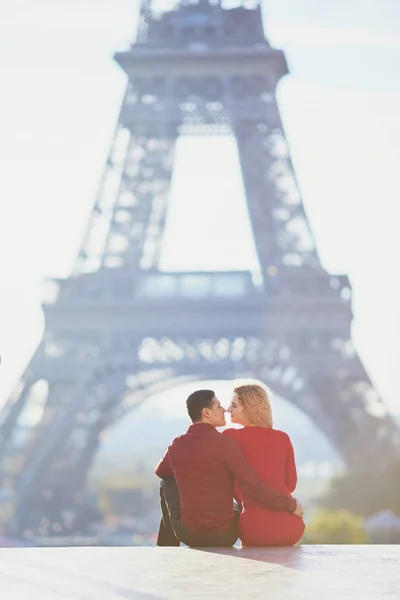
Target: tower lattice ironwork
(120, 330)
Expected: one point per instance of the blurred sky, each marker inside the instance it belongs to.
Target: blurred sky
(59, 100)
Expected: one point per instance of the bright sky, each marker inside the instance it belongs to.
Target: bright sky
(60, 97)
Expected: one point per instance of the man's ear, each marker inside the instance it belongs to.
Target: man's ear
(205, 412)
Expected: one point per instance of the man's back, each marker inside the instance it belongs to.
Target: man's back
(198, 462)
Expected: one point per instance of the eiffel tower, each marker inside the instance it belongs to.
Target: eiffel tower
(119, 329)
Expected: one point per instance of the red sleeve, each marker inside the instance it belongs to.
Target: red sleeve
(236, 492)
(249, 482)
(230, 433)
(164, 468)
(290, 469)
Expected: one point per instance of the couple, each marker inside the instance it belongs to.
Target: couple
(203, 470)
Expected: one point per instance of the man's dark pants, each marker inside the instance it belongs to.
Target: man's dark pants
(172, 531)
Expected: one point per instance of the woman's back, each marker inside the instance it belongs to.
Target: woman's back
(270, 453)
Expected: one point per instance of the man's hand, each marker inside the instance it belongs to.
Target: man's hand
(299, 509)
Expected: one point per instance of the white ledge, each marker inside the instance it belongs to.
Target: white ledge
(150, 573)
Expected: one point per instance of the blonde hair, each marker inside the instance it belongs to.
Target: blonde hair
(255, 397)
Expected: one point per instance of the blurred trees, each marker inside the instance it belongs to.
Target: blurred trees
(366, 493)
(335, 527)
(350, 499)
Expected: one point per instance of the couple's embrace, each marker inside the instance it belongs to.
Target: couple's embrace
(203, 471)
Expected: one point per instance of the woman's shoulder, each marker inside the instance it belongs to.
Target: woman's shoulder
(268, 433)
(249, 432)
(282, 435)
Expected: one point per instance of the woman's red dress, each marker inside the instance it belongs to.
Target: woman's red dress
(270, 453)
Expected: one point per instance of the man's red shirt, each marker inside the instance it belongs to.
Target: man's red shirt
(205, 465)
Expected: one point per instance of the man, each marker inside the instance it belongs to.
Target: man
(198, 472)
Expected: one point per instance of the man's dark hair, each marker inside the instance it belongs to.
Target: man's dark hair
(197, 401)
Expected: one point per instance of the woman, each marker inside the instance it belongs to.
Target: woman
(270, 453)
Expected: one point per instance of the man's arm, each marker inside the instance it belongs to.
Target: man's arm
(290, 468)
(249, 482)
(164, 468)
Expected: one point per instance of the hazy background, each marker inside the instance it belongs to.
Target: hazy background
(60, 95)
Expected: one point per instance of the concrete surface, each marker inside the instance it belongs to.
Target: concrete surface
(307, 572)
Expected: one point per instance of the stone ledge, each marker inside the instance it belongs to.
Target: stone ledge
(149, 573)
